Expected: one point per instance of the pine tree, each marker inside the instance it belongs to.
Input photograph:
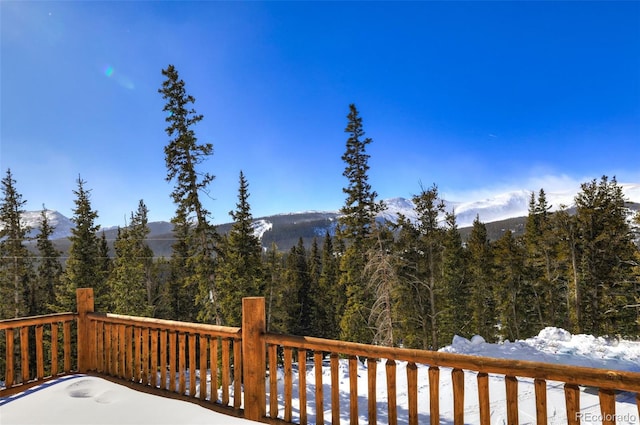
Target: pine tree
(17, 283)
(317, 312)
(274, 281)
(49, 266)
(84, 266)
(513, 299)
(454, 313)
(332, 297)
(240, 271)
(481, 277)
(129, 279)
(354, 226)
(565, 227)
(194, 264)
(544, 268)
(607, 254)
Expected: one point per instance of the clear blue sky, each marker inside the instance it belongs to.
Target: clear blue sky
(475, 97)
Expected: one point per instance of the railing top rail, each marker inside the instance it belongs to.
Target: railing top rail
(602, 378)
(36, 320)
(173, 325)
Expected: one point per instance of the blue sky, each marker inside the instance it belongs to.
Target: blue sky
(476, 97)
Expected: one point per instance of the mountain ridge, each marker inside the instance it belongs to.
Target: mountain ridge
(504, 211)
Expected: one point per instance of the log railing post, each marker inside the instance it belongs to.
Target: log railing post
(86, 341)
(254, 353)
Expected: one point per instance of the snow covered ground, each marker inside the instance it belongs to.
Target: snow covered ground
(88, 400)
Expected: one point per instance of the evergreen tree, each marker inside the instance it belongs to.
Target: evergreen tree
(84, 266)
(331, 296)
(565, 227)
(240, 266)
(511, 291)
(274, 281)
(543, 267)
(354, 226)
(481, 282)
(17, 283)
(193, 265)
(317, 313)
(428, 208)
(412, 313)
(607, 253)
(455, 316)
(129, 280)
(49, 267)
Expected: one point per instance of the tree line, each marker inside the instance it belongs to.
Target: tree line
(412, 283)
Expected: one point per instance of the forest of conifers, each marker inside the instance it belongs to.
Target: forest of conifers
(404, 283)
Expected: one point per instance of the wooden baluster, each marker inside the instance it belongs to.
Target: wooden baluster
(391, 392)
(288, 383)
(66, 340)
(122, 351)
(353, 390)
(128, 344)
(107, 348)
(302, 385)
(412, 392)
(203, 340)
(54, 349)
(182, 363)
(163, 359)
(372, 365)
(172, 360)
(434, 395)
(10, 373)
(225, 371)
(213, 362)
(272, 352)
(335, 390)
(511, 383)
(540, 386)
(483, 398)
(317, 363)
(192, 364)
(145, 356)
(457, 379)
(154, 358)
(572, 401)
(137, 354)
(607, 406)
(237, 373)
(24, 353)
(39, 352)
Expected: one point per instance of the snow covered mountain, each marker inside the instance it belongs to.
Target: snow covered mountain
(285, 229)
(500, 207)
(61, 224)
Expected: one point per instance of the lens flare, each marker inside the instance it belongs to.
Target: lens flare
(108, 71)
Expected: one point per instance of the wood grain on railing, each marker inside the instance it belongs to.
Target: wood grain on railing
(607, 381)
(34, 357)
(169, 355)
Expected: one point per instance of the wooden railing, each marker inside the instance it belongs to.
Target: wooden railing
(606, 381)
(36, 348)
(169, 355)
(231, 367)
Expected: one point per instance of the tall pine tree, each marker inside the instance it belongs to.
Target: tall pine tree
(17, 283)
(193, 262)
(85, 266)
(49, 268)
(240, 265)
(354, 227)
